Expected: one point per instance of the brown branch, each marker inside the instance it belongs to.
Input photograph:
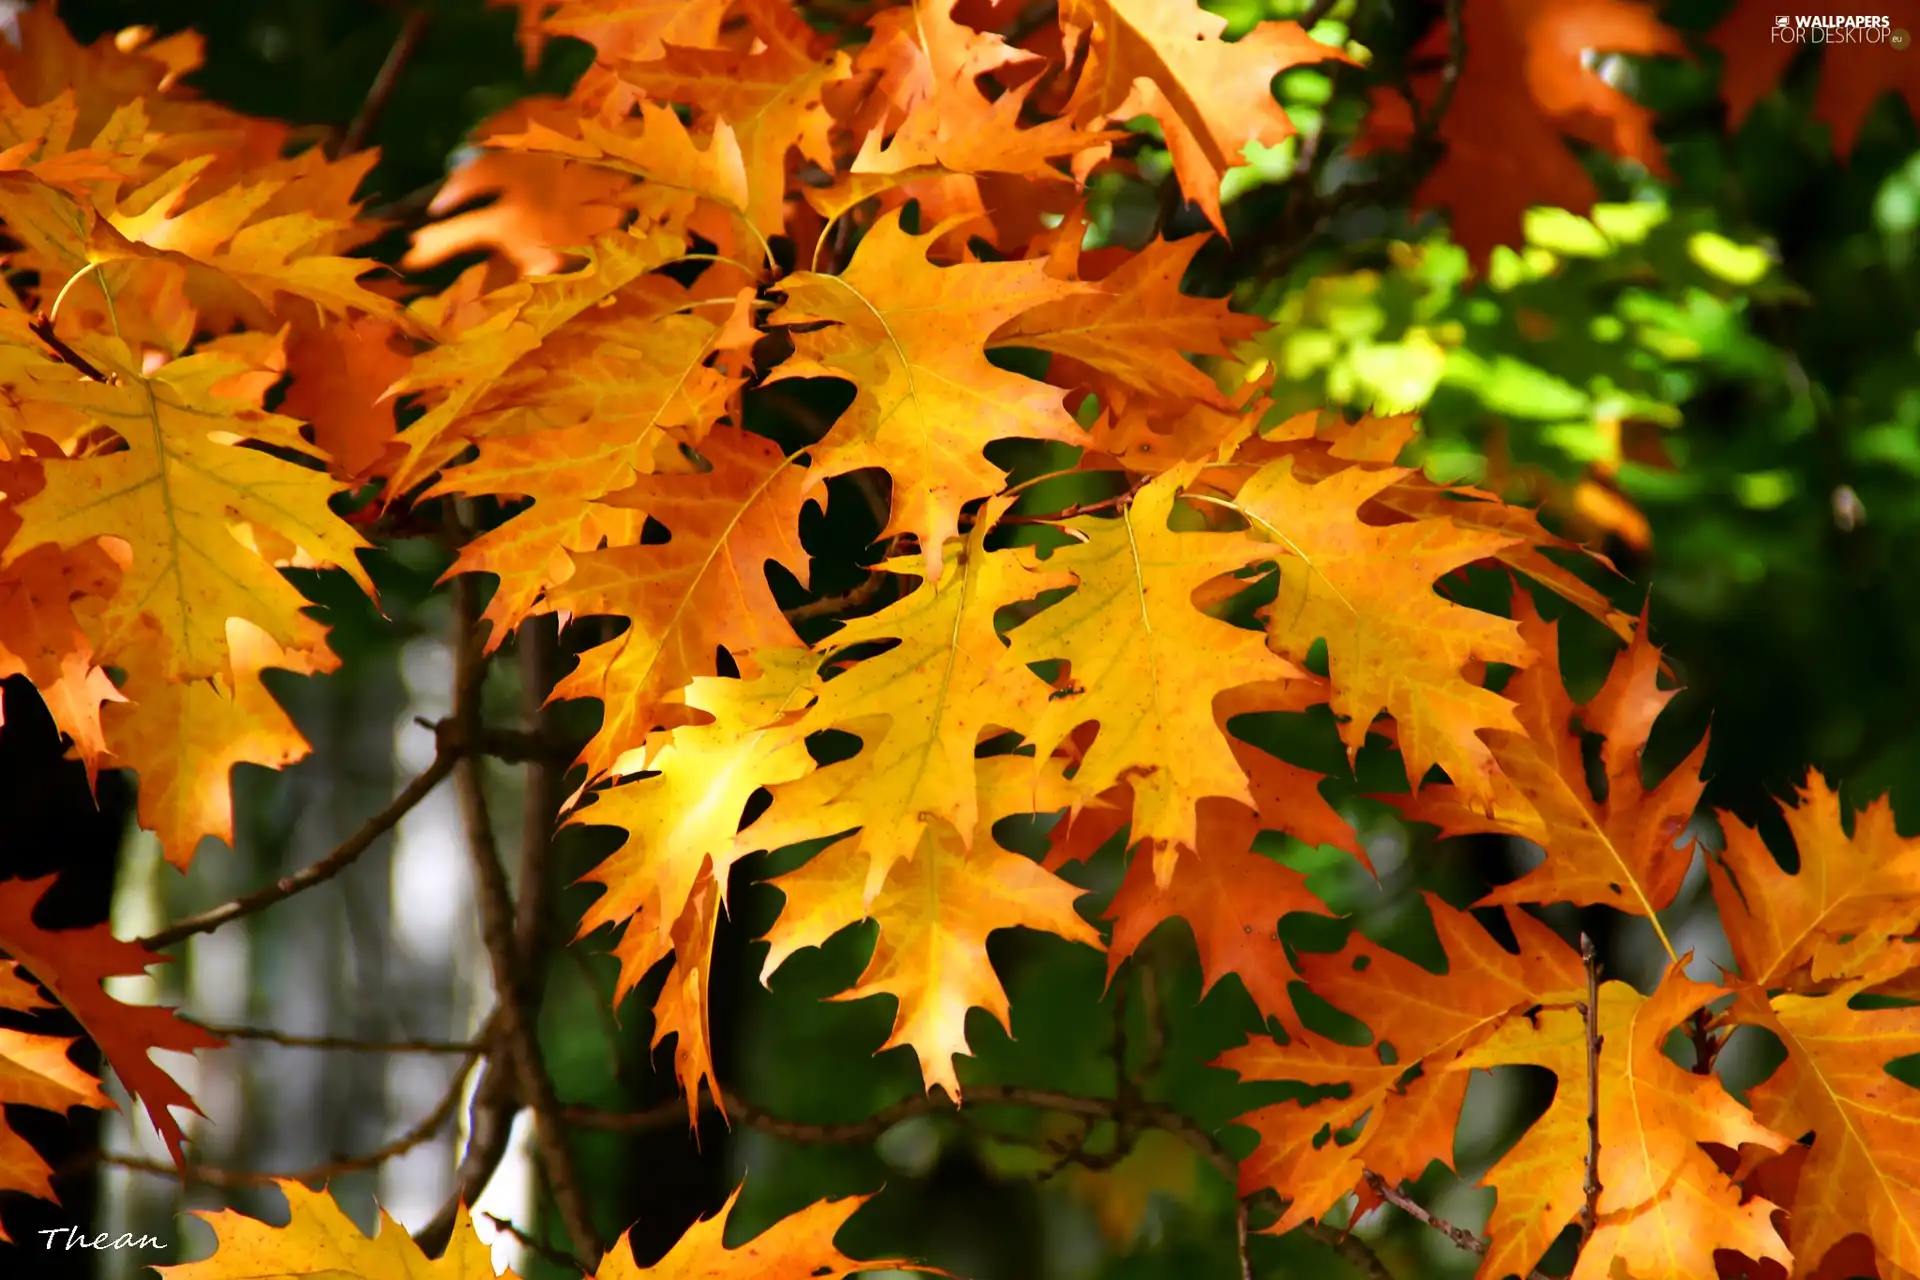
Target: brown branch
(500, 931)
(1140, 1114)
(343, 856)
(1590, 1210)
(412, 27)
(43, 329)
(291, 1041)
(224, 1178)
(1461, 1237)
(842, 602)
(550, 1253)
(1114, 503)
(489, 1127)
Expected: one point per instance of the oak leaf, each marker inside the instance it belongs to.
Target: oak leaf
(181, 495)
(182, 738)
(1528, 82)
(613, 395)
(1211, 97)
(797, 1247)
(935, 910)
(921, 706)
(1428, 1019)
(679, 172)
(621, 30)
(1664, 1205)
(1231, 896)
(1146, 664)
(320, 1240)
(1133, 329)
(72, 964)
(35, 1071)
(774, 98)
(1835, 916)
(706, 586)
(1863, 1171)
(1623, 851)
(911, 339)
(1393, 643)
(682, 823)
(339, 373)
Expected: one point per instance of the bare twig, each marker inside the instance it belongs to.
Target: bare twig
(344, 856)
(412, 27)
(499, 929)
(489, 1127)
(1590, 1211)
(216, 1176)
(1357, 1253)
(1461, 1237)
(843, 602)
(539, 1246)
(348, 1043)
(1240, 1239)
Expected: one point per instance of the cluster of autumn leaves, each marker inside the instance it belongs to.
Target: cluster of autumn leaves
(175, 267)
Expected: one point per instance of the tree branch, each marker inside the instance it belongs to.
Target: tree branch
(1461, 1237)
(447, 754)
(348, 1043)
(412, 27)
(216, 1176)
(500, 930)
(1590, 1211)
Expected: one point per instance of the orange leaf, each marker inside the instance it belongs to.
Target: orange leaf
(1526, 85)
(1165, 58)
(1623, 851)
(72, 963)
(1232, 898)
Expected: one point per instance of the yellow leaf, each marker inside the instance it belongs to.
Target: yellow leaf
(1146, 663)
(176, 496)
(1664, 1205)
(798, 1247)
(183, 738)
(921, 707)
(911, 338)
(935, 911)
(319, 1241)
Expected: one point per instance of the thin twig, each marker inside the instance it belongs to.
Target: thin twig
(489, 1128)
(1357, 1252)
(498, 929)
(412, 27)
(1240, 1239)
(842, 602)
(1590, 1211)
(1461, 1237)
(347, 1043)
(539, 1246)
(216, 1176)
(343, 856)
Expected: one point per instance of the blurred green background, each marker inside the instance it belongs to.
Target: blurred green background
(1715, 380)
